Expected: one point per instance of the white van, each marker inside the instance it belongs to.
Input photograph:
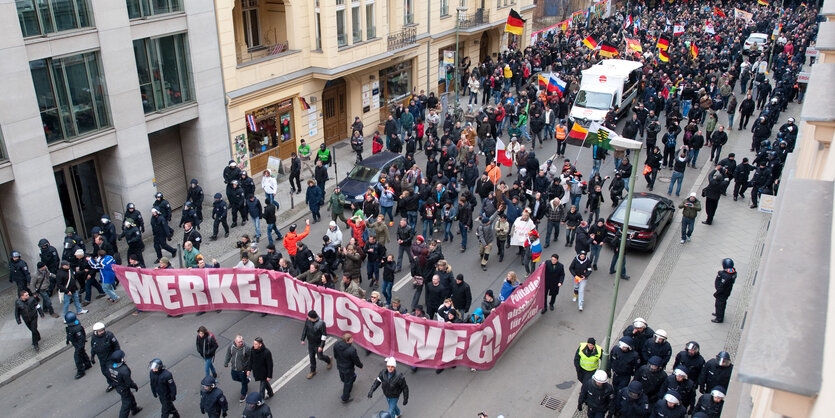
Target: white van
(607, 84)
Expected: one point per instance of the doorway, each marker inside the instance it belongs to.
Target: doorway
(335, 111)
(80, 193)
(483, 47)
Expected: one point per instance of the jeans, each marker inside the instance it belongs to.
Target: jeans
(580, 292)
(209, 366)
(448, 230)
(524, 134)
(240, 376)
(387, 210)
(428, 227)
(372, 270)
(575, 200)
(570, 233)
(687, 225)
(46, 301)
(463, 229)
(393, 409)
(108, 290)
(411, 219)
(270, 229)
(694, 154)
(88, 288)
(555, 226)
(730, 120)
(257, 222)
(75, 299)
(594, 253)
(615, 264)
(685, 106)
(595, 166)
(676, 178)
(269, 197)
(386, 290)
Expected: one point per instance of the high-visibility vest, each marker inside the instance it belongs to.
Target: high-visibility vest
(590, 363)
(560, 132)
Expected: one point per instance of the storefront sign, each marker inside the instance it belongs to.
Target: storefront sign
(409, 339)
(812, 52)
(273, 164)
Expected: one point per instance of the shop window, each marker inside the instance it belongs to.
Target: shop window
(164, 71)
(40, 17)
(397, 82)
(72, 95)
(269, 127)
(146, 8)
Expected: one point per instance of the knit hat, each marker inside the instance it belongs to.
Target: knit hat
(391, 362)
(489, 292)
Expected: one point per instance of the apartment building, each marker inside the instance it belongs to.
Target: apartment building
(104, 103)
(304, 69)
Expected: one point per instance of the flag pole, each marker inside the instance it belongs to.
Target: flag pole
(580, 150)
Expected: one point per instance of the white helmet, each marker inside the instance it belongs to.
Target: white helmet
(639, 323)
(600, 376)
(98, 326)
(661, 334)
(669, 397)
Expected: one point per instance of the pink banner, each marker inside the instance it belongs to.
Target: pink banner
(411, 340)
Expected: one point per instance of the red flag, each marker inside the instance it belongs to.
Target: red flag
(718, 12)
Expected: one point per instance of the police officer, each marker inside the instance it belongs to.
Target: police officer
(72, 242)
(162, 233)
(19, 272)
(195, 196)
(163, 386)
(658, 346)
(120, 376)
(597, 394)
(102, 345)
(640, 333)
(163, 206)
(190, 234)
(691, 358)
(212, 401)
(78, 338)
(717, 372)
(231, 172)
(790, 130)
(587, 359)
(255, 407)
(724, 283)
(711, 403)
(631, 402)
(651, 376)
(760, 182)
(108, 231)
(135, 216)
(623, 361)
(219, 215)
(247, 184)
(236, 203)
(133, 236)
(189, 214)
(50, 258)
(679, 382)
(669, 406)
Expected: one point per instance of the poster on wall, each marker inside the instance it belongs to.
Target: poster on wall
(273, 164)
(241, 152)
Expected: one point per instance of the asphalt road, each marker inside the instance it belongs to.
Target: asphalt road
(538, 364)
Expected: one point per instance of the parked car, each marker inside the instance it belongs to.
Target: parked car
(650, 216)
(367, 174)
(756, 38)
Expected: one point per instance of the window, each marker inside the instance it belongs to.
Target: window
(370, 21)
(444, 8)
(164, 73)
(356, 22)
(397, 82)
(317, 22)
(71, 95)
(144, 8)
(252, 27)
(39, 17)
(341, 34)
(408, 12)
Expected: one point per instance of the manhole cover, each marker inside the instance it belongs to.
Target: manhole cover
(664, 179)
(553, 403)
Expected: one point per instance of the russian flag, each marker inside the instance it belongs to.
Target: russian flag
(250, 121)
(555, 84)
(501, 154)
(536, 246)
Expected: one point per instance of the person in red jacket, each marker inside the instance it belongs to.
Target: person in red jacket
(292, 238)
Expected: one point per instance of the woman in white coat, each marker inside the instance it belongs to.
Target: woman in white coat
(269, 185)
(522, 226)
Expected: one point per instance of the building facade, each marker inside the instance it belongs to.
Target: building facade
(304, 69)
(105, 103)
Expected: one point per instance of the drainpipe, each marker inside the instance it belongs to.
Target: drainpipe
(428, 45)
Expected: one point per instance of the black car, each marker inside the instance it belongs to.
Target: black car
(367, 174)
(650, 216)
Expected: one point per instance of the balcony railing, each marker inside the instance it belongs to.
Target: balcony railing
(263, 51)
(405, 37)
(478, 18)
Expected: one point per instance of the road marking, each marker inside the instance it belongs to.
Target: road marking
(299, 367)
(402, 282)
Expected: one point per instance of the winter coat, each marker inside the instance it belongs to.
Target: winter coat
(206, 345)
(261, 363)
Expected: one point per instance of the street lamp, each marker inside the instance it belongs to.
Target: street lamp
(621, 144)
(458, 11)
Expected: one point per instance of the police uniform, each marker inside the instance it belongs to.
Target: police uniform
(78, 338)
(120, 375)
(103, 346)
(163, 386)
(213, 402)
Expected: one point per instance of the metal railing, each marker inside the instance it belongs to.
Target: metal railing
(405, 37)
(478, 18)
(262, 51)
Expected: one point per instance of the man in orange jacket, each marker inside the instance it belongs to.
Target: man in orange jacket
(292, 238)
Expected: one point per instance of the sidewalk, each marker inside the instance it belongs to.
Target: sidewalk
(676, 291)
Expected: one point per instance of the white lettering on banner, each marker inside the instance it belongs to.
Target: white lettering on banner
(415, 338)
(191, 287)
(454, 340)
(497, 326)
(143, 286)
(480, 350)
(220, 288)
(327, 309)
(298, 298)
(525, 291)
(372, 333)
(266, 291)
(246, 287)
(349, 322)
(164, 283)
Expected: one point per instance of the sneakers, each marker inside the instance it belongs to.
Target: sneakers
(682, 241)
(83, 311)
(574, 299)
(242, 399)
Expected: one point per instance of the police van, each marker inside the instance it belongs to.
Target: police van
(604, 86)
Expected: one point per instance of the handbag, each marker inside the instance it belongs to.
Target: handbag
(647, 169)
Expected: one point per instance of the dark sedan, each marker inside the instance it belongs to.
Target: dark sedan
(367, 174)
(650, 216)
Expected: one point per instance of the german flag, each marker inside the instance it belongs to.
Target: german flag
(608, 50)
(590, 42)
(718, 12)
(694, 50)
(633, 44)
(663, 56)
(663, 43)
(578, 132)
(762, 2)
(515, 24)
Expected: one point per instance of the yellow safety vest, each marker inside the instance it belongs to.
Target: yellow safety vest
(590, 363)
(560, 132)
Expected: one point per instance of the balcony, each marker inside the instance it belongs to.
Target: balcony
(402, 39)
(263, 52)
(472, 20)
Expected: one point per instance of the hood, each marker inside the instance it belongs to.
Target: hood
(352, 188)
(580, 113)
(269, 172)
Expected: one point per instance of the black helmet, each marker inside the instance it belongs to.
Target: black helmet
(727, 264)
(43, 242)
(209, 381)
(218, 196)
(156, 364)
(118, 356)
(692, 345)
(188, 204)
(70, 317)
(158, 195)
(14, 254)
(724, 358)
(254, 398)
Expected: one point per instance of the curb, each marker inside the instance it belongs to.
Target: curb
(49, 353)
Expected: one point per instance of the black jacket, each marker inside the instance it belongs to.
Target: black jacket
(406, 235)
(663, 350)
(554, 274)
(50, 257)
(346, 357)
(269, 213)
(206, 345)
(694, 364)
(724, 283)
(623, 363)
(162, 385)
(213, 402)
(76, 335)
(19, 272)
(261, 363)
(661, 410)
(66, 281)
(578, 267)
(160, 228)
(120, 377)
(625, 406)
(103, 345)
(26, 311)
(598, 398)
(315, 332)
(706, 405)
(462, 298)
(652, 381)
(719, 138)
(393, 385)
